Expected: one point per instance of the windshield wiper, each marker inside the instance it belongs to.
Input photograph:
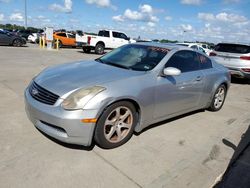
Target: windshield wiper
(117, 65)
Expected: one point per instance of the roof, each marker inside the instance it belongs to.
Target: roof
(169, 46)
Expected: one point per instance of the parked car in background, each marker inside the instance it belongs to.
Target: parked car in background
(24, 33)
(8, 38)
(124, 91)
(234, 56)
(206, 47)
(106, 39)
(65, 39)
(194, 46)
(34, 37)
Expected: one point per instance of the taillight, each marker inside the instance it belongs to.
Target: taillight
(212, 54)
(246, 69)
(89, 39)
(245, 57)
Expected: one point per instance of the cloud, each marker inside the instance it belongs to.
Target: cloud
(1, 17)
(16, 17)
(223, 17)
(101, 3)
(191, 2)
(151, 24)
(186, 27)
(145, 13)
(67, 7)
(118, 18)
(168, 18)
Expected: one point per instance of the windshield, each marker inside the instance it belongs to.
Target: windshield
(135, 57)
(232, 48)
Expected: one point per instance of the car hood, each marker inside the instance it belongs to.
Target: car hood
(68, 77)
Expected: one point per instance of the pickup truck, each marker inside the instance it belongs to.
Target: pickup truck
(106, 39)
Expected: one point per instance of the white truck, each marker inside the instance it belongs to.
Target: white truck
(106, 39)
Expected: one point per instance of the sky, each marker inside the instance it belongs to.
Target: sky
(192, 20)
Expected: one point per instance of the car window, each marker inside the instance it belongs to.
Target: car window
(104, 33)
(61, 34)
(195, 47)
(205, 62)
(232, 48)
(204, 46)
(123, 36)
(184, 60)
(71, 36)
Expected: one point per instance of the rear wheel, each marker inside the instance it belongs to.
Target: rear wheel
(99, 49)
(17, 43)
(86, 50)
(60, 44)
(116, 125)
(218, 99)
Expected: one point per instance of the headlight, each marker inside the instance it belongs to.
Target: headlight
(79, 98)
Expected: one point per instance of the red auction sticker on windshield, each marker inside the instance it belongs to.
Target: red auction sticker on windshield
(158, 49)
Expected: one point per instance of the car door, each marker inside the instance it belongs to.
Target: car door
(4, 38)
(71, 39)
(182, 93)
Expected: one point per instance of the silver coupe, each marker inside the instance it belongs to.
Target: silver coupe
(126, 90)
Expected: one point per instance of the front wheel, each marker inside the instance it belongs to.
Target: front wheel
(17, 43)
(218, 98)
(116, 125)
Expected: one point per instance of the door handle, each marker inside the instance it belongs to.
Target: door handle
(198, 78)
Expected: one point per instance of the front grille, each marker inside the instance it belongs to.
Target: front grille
(42, 95)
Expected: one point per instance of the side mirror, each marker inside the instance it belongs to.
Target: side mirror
(171, 71)
(128, 38)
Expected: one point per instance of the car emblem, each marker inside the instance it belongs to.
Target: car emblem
(34, 91)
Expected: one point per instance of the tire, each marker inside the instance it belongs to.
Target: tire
(116, 125)
(99, 49)
(86, 50)
(218, 99)
(60, 44)
(17, 43)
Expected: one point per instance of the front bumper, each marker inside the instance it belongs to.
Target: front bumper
(60, 124)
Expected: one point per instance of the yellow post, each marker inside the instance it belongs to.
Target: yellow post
(57, 44)
(40, 42)
(43, 42)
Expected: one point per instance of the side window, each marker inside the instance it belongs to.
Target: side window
(61, 34)
(185, 61)
(115, 34)
(195, 47)
(104, 33)
(123, 36)
(205, 63)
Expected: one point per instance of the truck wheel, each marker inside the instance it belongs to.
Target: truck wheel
(99, 49)
(86, 50)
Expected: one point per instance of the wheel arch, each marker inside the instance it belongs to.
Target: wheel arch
(132, 101)
(100, 42)
(222, 82)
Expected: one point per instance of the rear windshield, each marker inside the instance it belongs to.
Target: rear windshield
(232, 48)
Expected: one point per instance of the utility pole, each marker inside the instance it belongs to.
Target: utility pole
(25, 10)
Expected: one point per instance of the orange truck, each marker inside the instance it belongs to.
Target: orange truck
(65, 39)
